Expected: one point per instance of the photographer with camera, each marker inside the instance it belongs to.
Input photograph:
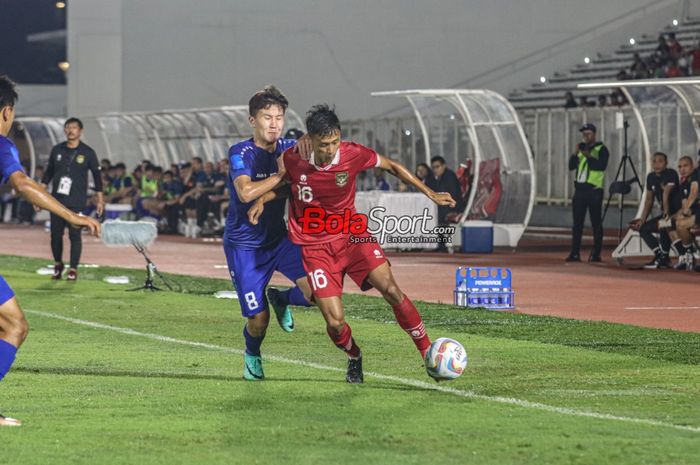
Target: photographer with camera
(590, 162)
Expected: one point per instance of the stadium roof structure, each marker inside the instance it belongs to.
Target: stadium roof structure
(645, 97)
(486, 131)
(163, 137)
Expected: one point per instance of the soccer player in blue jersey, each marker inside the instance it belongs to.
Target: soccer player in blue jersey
(255, 252)
(13, 325)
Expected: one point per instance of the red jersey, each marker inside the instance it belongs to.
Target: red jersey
(330, 188)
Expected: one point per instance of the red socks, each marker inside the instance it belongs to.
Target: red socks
(345, 342)
(410, 321)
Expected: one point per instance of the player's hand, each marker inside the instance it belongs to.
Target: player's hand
(686, 213)
(635, 224)
(37, 208)
(100, 209)
(304, 147)
(443, 199)
(80, 221)
(255, 211)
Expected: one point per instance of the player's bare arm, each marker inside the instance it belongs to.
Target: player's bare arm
(248, 190)
(37, 195)
(692, 196)
(666, 199)
(400, 171)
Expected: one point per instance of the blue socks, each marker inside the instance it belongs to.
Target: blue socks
(7, 357)
(252, 344)
(294, 296)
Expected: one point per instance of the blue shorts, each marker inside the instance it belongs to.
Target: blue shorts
(251, 271)
(6, 292)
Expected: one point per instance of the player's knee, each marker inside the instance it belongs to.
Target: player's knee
(18, 329)
(334, 325)
(393, 294)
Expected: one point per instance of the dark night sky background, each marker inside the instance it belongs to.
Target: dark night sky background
(24, 62)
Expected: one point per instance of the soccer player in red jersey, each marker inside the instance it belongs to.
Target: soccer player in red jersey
(326, 183)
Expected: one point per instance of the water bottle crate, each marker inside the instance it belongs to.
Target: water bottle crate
(487, 287)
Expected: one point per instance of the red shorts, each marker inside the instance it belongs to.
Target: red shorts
(327, 264)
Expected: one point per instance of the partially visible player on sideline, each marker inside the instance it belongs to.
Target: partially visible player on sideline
(255, 252)
(662, 186)
(327, 181)
(13, 325)
(686, 218)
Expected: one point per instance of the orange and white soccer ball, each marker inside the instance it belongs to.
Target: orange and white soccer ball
(446, 359)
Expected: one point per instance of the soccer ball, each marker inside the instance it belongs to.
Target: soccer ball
(446, 359)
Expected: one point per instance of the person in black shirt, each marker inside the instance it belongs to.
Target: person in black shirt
(69, 163)
(662, 186)
(444, 179)
(686, 217)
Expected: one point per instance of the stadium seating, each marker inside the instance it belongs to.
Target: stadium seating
(601, 68)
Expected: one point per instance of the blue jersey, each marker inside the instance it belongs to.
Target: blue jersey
(250, 160)
(9, 159)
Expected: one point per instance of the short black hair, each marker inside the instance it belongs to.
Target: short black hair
(157, 169)
(661, 154)
(686, 157)
(321, 120)
(168, 173)
(73, 120)
(120, 166)
(437, 158)
(199, 159)
(8, 93)
(269, 96)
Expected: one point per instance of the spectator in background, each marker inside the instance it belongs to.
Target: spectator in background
(675, 49)
(166, 202)
(423, 171)
(209, 183)
(583, 102)
(639, 69)
(570, 101)
(622, 75)
(673, 70)
(694, 56)
(380, 183)
(363, 182)
(187, 200)
(105, 165)
(617, 98)
(293, 133)
(123, 186)
(662, 52)
(602, 100)
(444, 179)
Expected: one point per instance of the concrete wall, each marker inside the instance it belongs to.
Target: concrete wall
(157, 54)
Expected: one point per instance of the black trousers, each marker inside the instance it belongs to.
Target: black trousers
(646, 232)
(591, 201)
(58, 225)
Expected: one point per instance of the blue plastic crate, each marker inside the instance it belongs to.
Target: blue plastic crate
(487, 287)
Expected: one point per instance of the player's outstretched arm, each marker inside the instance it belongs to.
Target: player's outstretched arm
(35, 194)
(400, 171)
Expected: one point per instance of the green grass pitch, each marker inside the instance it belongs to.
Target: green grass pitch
(112, 377)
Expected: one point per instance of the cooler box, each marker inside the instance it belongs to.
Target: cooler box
(477, 237)
(487, 287)
(115, 210)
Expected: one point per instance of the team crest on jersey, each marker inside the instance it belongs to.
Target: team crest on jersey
(80, 159)
(58, 157)
(341, 179)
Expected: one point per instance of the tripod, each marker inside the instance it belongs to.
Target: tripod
(623, 186)
(151, 272)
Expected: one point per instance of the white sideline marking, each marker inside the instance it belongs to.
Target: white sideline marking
(662, 308)
(396, 379)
